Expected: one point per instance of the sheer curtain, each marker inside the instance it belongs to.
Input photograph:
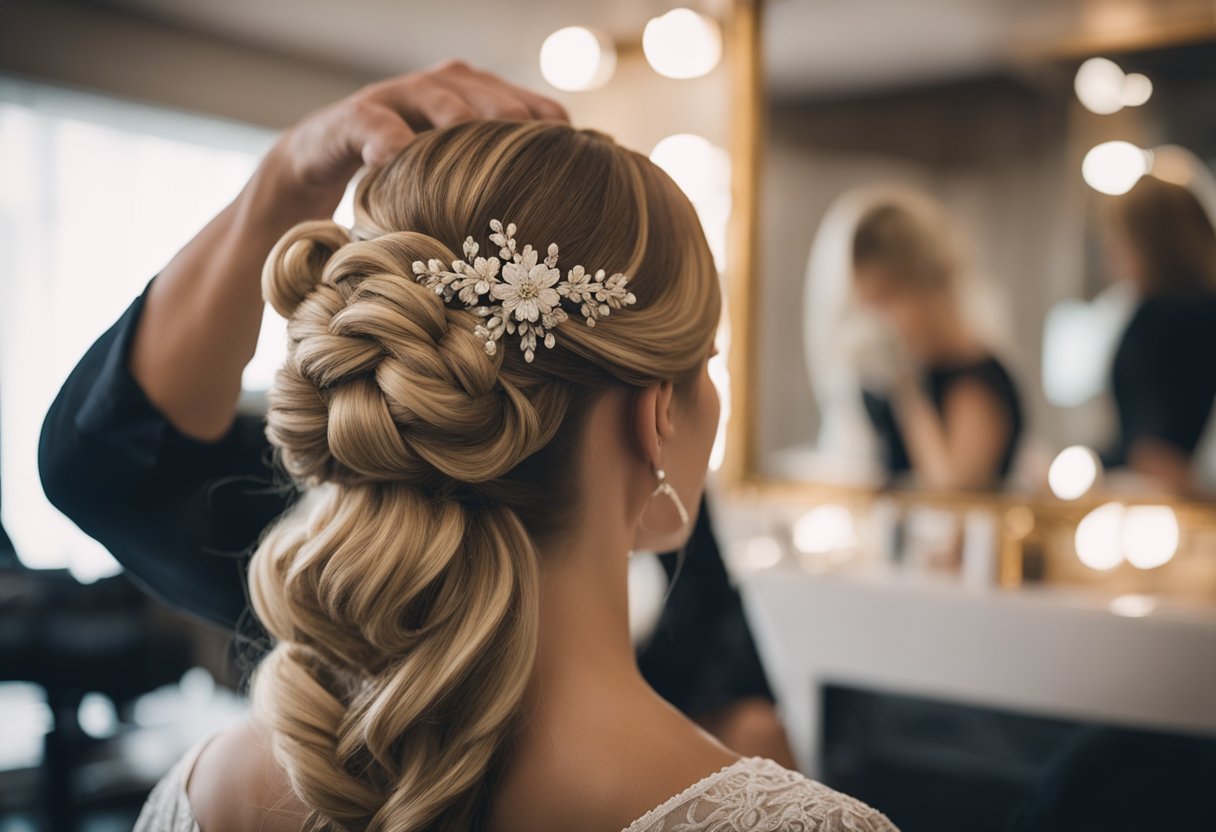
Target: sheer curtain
(96, 195)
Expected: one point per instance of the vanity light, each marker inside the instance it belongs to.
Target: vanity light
(825, 530)
(1103, 88)
(682, 44)
(1146, 536)
(702, 170)
(1099, 86)
(1150, 536)
(1073, 472)
(1114, 167)
(1137, 89)
(698, 166)
(1132, 606)
(1099, 538)
(577, 58)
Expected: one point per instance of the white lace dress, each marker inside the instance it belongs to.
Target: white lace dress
(750, 795)
(757, 795)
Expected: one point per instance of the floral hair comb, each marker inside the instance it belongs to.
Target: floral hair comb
(526, 298)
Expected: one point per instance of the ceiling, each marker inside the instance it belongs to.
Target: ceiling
(813, 47)
(382, 37)
(837, 46)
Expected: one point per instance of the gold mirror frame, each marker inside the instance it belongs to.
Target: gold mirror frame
(740, 476)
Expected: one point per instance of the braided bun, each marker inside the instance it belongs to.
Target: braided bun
(384, 382)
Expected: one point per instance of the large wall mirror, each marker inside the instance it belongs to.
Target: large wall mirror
(981, 263)
(973, 364)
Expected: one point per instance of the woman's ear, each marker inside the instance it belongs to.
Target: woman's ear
(652, 420)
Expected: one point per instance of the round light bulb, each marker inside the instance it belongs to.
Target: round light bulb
(1137, 90)
(698, 166)
(1113, 168)
(577, 58)
(1100, 86)
(825, 529)
(1099, 538)
(1150, 536)
(1073, 472)
(1133, 605)
(682, 44)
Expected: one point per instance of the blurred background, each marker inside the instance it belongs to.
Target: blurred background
(1025, 122)
(966, 468)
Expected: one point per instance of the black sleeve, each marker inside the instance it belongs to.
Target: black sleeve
(1142, 389)
(179, 514)
(886, 429)
(702, 656)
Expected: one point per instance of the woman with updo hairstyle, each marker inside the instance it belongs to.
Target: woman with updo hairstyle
(405, 596)
(447, 602)
(1159, 239)
(946, 411)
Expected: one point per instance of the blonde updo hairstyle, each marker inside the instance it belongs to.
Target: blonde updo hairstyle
(401, 591)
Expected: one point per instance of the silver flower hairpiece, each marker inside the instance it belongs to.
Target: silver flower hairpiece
(527, 299)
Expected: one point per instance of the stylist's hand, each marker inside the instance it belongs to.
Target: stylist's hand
(314, 161)
(878, 355)
(200, 322)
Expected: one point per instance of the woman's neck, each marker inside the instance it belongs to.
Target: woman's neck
(585, 693)
(584, 588)
(596, 746)
(584, 643)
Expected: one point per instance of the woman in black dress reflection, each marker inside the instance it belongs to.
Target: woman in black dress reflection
(946, 411)
(1159, 238)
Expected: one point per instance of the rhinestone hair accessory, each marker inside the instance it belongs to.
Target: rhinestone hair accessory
(520, 294)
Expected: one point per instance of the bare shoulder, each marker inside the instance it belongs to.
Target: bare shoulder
(236, 785)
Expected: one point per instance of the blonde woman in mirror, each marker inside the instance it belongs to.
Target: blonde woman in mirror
(944, 408)
(495, 390)
(1159, 239)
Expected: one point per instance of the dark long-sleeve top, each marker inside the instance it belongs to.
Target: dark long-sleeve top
(937, 383)
(1164, 374)
(183, 516)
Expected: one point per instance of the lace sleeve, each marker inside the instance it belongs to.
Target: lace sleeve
(758, 794)
(167, 808)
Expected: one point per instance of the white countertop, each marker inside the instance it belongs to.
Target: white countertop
(1047, 651)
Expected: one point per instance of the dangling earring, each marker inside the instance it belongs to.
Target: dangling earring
(665, 488)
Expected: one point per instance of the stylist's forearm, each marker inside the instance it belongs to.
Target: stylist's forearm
(201, 319)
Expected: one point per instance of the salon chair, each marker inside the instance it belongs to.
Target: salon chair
(70, 639)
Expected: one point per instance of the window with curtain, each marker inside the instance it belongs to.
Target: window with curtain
(96, 195)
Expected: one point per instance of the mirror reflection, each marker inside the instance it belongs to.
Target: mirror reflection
(986, 263)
